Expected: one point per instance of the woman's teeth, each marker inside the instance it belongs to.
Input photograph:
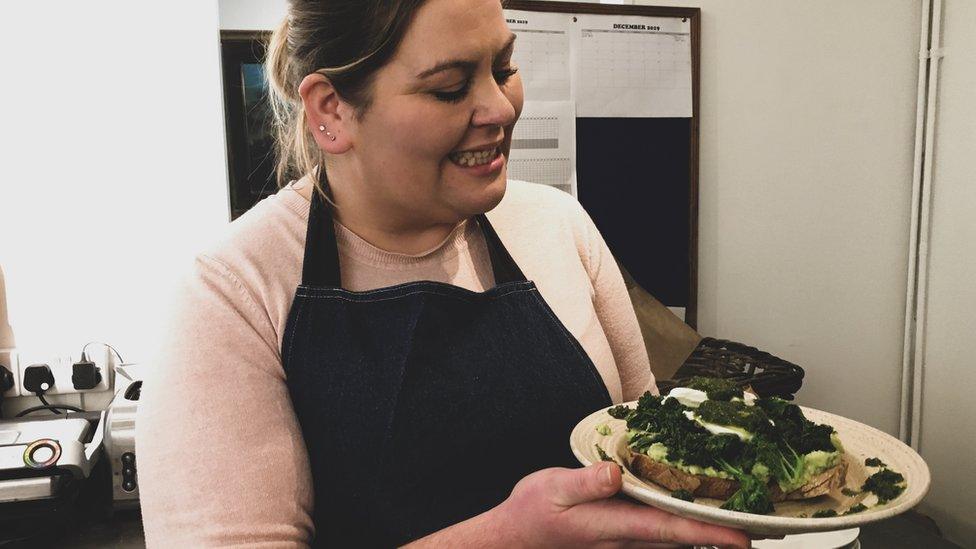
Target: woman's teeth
(474, 158)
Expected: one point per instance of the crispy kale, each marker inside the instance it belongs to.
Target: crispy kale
(858, 508)
(781, 461)
(620, 412)
(752, 495)
(736, 414)
(803, 435)
(683, 494)
(874, 462)
(715, 388)
(825, 513)
(886, 484)
(656, 420)
(848, 492)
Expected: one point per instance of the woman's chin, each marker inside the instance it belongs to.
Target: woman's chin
(487, 197)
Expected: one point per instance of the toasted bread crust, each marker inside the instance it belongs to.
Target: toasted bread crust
(673, 478)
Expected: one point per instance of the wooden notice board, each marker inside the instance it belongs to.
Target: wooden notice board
(611, 116)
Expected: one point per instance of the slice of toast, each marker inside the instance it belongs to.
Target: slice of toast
(673, 478)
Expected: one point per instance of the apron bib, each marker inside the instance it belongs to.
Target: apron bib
(422, 404)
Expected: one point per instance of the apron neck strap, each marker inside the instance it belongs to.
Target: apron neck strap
(320, 267)
(502, 263)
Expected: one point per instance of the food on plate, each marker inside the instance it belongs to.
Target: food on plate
(874, 462)
(713, 440)
(886, 484)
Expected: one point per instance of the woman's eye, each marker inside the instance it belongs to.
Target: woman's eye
(454, 96)
(503, 75)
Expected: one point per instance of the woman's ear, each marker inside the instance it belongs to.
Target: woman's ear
(324, 114)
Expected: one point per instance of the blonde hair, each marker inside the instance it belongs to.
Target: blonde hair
(345, 40)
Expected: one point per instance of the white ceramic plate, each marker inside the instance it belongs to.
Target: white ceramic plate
(860, 442)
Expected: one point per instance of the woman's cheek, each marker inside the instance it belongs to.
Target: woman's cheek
(516, 94)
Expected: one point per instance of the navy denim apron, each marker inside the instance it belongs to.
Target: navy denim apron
(422, 404)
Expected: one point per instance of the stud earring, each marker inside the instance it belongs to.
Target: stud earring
(322, 129)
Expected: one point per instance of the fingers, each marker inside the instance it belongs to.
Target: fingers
(625, 521)
(569, 487)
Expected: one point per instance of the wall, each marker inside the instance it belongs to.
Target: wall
(805, 173)
(113, 167)
(948, 434)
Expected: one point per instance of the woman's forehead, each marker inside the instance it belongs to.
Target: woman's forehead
(445, 30)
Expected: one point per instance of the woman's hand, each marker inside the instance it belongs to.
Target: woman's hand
(575, 508)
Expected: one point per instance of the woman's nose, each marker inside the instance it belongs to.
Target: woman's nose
(493, 107)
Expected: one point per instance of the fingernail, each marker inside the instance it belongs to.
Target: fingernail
(607, 475)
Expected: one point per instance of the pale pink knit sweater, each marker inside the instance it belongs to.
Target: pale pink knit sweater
(220, 456)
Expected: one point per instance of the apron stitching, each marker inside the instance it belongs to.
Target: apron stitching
(307, 289)
(468, 299)
(396, 399)
(291, 340)
(440, 287)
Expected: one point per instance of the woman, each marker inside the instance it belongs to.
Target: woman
(417, 387)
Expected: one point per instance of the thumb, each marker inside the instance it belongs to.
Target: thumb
(575, 486)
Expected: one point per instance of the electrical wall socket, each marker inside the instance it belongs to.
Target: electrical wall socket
(62, 368)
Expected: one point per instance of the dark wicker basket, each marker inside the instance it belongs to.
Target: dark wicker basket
(768, 375)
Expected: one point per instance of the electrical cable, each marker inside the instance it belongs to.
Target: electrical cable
(53, 407)
(85, 357)
(47, 404)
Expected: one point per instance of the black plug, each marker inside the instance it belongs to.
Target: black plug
(6, 380)
(84, 374)
(38, 378)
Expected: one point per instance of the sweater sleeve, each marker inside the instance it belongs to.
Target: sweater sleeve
(616, 314)
(220, 456)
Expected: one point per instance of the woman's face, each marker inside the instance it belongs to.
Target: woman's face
(448, 89)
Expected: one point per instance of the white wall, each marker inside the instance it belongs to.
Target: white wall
(251, 14)
(113, 166)
(948, 433)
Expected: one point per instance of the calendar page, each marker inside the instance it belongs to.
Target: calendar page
(633, 67)
(544, 145)
(542, 53)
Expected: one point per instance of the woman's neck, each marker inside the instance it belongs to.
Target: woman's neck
(382, 229)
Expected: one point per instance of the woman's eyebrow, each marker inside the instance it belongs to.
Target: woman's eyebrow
(465, 65)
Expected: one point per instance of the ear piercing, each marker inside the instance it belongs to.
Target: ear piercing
(322, 129)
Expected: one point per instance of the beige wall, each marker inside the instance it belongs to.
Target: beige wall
(807, 133)
(948, 434)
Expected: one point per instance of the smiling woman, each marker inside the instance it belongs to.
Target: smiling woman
(412, 335)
